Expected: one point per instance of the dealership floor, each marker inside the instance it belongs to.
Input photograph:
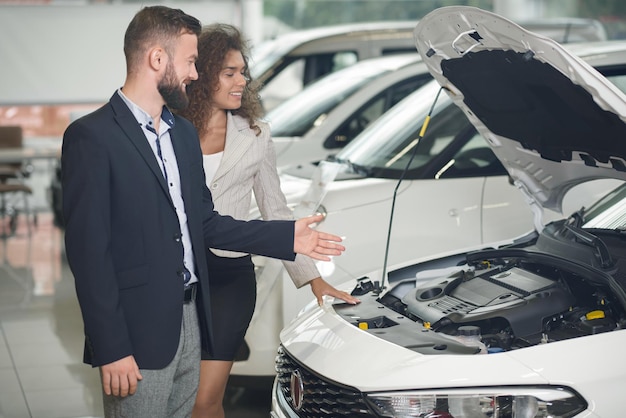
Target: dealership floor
(41, 336)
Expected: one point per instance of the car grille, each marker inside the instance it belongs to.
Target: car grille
(322, 398)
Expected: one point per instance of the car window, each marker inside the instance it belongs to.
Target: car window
(372, 110)
(389, 157)
(619, 81)
(356, 123)
(608, 212)
(474, 159)
(391, 51)
(394, 130)
(296, 115)
(291, 76)
(450, 148)
(447, 130)
(285, 84)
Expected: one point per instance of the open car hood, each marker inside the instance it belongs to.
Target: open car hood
(552, 119)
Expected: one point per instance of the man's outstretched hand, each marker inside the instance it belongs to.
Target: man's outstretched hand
(315, 244)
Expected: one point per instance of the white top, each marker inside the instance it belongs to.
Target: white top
(211, 162)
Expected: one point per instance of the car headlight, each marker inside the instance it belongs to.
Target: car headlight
(514, 402)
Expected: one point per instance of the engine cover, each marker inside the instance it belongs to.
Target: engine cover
(520, 297)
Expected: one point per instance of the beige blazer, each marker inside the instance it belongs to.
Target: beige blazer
(249, 164)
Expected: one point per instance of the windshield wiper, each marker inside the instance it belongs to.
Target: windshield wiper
(619, 232)
(354, 168)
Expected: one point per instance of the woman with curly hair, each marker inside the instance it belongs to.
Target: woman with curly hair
(239, 159)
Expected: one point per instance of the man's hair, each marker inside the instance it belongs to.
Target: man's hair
(215, 41)
(156, 25)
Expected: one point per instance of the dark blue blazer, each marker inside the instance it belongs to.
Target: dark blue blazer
(123, 240)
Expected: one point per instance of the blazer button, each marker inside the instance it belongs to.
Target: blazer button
(177, 237)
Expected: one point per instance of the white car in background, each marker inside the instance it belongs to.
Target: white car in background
(286, 64)
(455, 183)
(327, 114)
(527, 327)
(291, 61)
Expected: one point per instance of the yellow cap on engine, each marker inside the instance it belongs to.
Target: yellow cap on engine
(363, 325)
(594, 315)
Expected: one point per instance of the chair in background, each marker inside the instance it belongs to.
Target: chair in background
(13, 173)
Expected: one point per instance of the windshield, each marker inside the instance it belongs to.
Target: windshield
(295, 116)
(385, 147)
(609, 212)
(388, 143)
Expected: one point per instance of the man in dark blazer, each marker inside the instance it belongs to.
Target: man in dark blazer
(138, 220)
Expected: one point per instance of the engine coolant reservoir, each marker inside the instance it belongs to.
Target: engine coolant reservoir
(470, 335)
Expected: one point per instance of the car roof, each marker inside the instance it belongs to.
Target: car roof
(397, 34)
(599, 54)
(567, 29)
(291, 40)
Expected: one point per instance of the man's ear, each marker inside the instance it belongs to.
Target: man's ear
(157, 58)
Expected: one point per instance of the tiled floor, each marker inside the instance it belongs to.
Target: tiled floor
(41, 373)
(41, 338)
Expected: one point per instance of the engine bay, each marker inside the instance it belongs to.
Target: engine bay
(510, 298)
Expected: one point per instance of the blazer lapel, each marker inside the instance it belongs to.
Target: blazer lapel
(239, 137)
(182, 159)
(133, 131)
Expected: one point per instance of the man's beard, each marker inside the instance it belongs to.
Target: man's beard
(169, 87)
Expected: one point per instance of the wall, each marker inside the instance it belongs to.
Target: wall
(72, 54)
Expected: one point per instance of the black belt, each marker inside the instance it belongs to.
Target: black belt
(190, 293)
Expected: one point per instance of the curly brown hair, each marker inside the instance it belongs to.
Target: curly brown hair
(214, 43)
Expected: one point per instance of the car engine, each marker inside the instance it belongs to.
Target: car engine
(509, 299)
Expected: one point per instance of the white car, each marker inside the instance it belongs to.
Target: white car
(326, 115)
(527, 327)
(289, 62)
(293, 60)
(455, 182)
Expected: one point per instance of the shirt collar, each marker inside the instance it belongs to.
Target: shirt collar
(142, 116)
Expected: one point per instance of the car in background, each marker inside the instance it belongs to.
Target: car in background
(327, 114)
(566, 30)
(454, 181)
(286, 64)
(530, 326)
(289, 62)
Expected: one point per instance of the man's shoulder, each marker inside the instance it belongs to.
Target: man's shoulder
(105, 110)
(93, 119)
